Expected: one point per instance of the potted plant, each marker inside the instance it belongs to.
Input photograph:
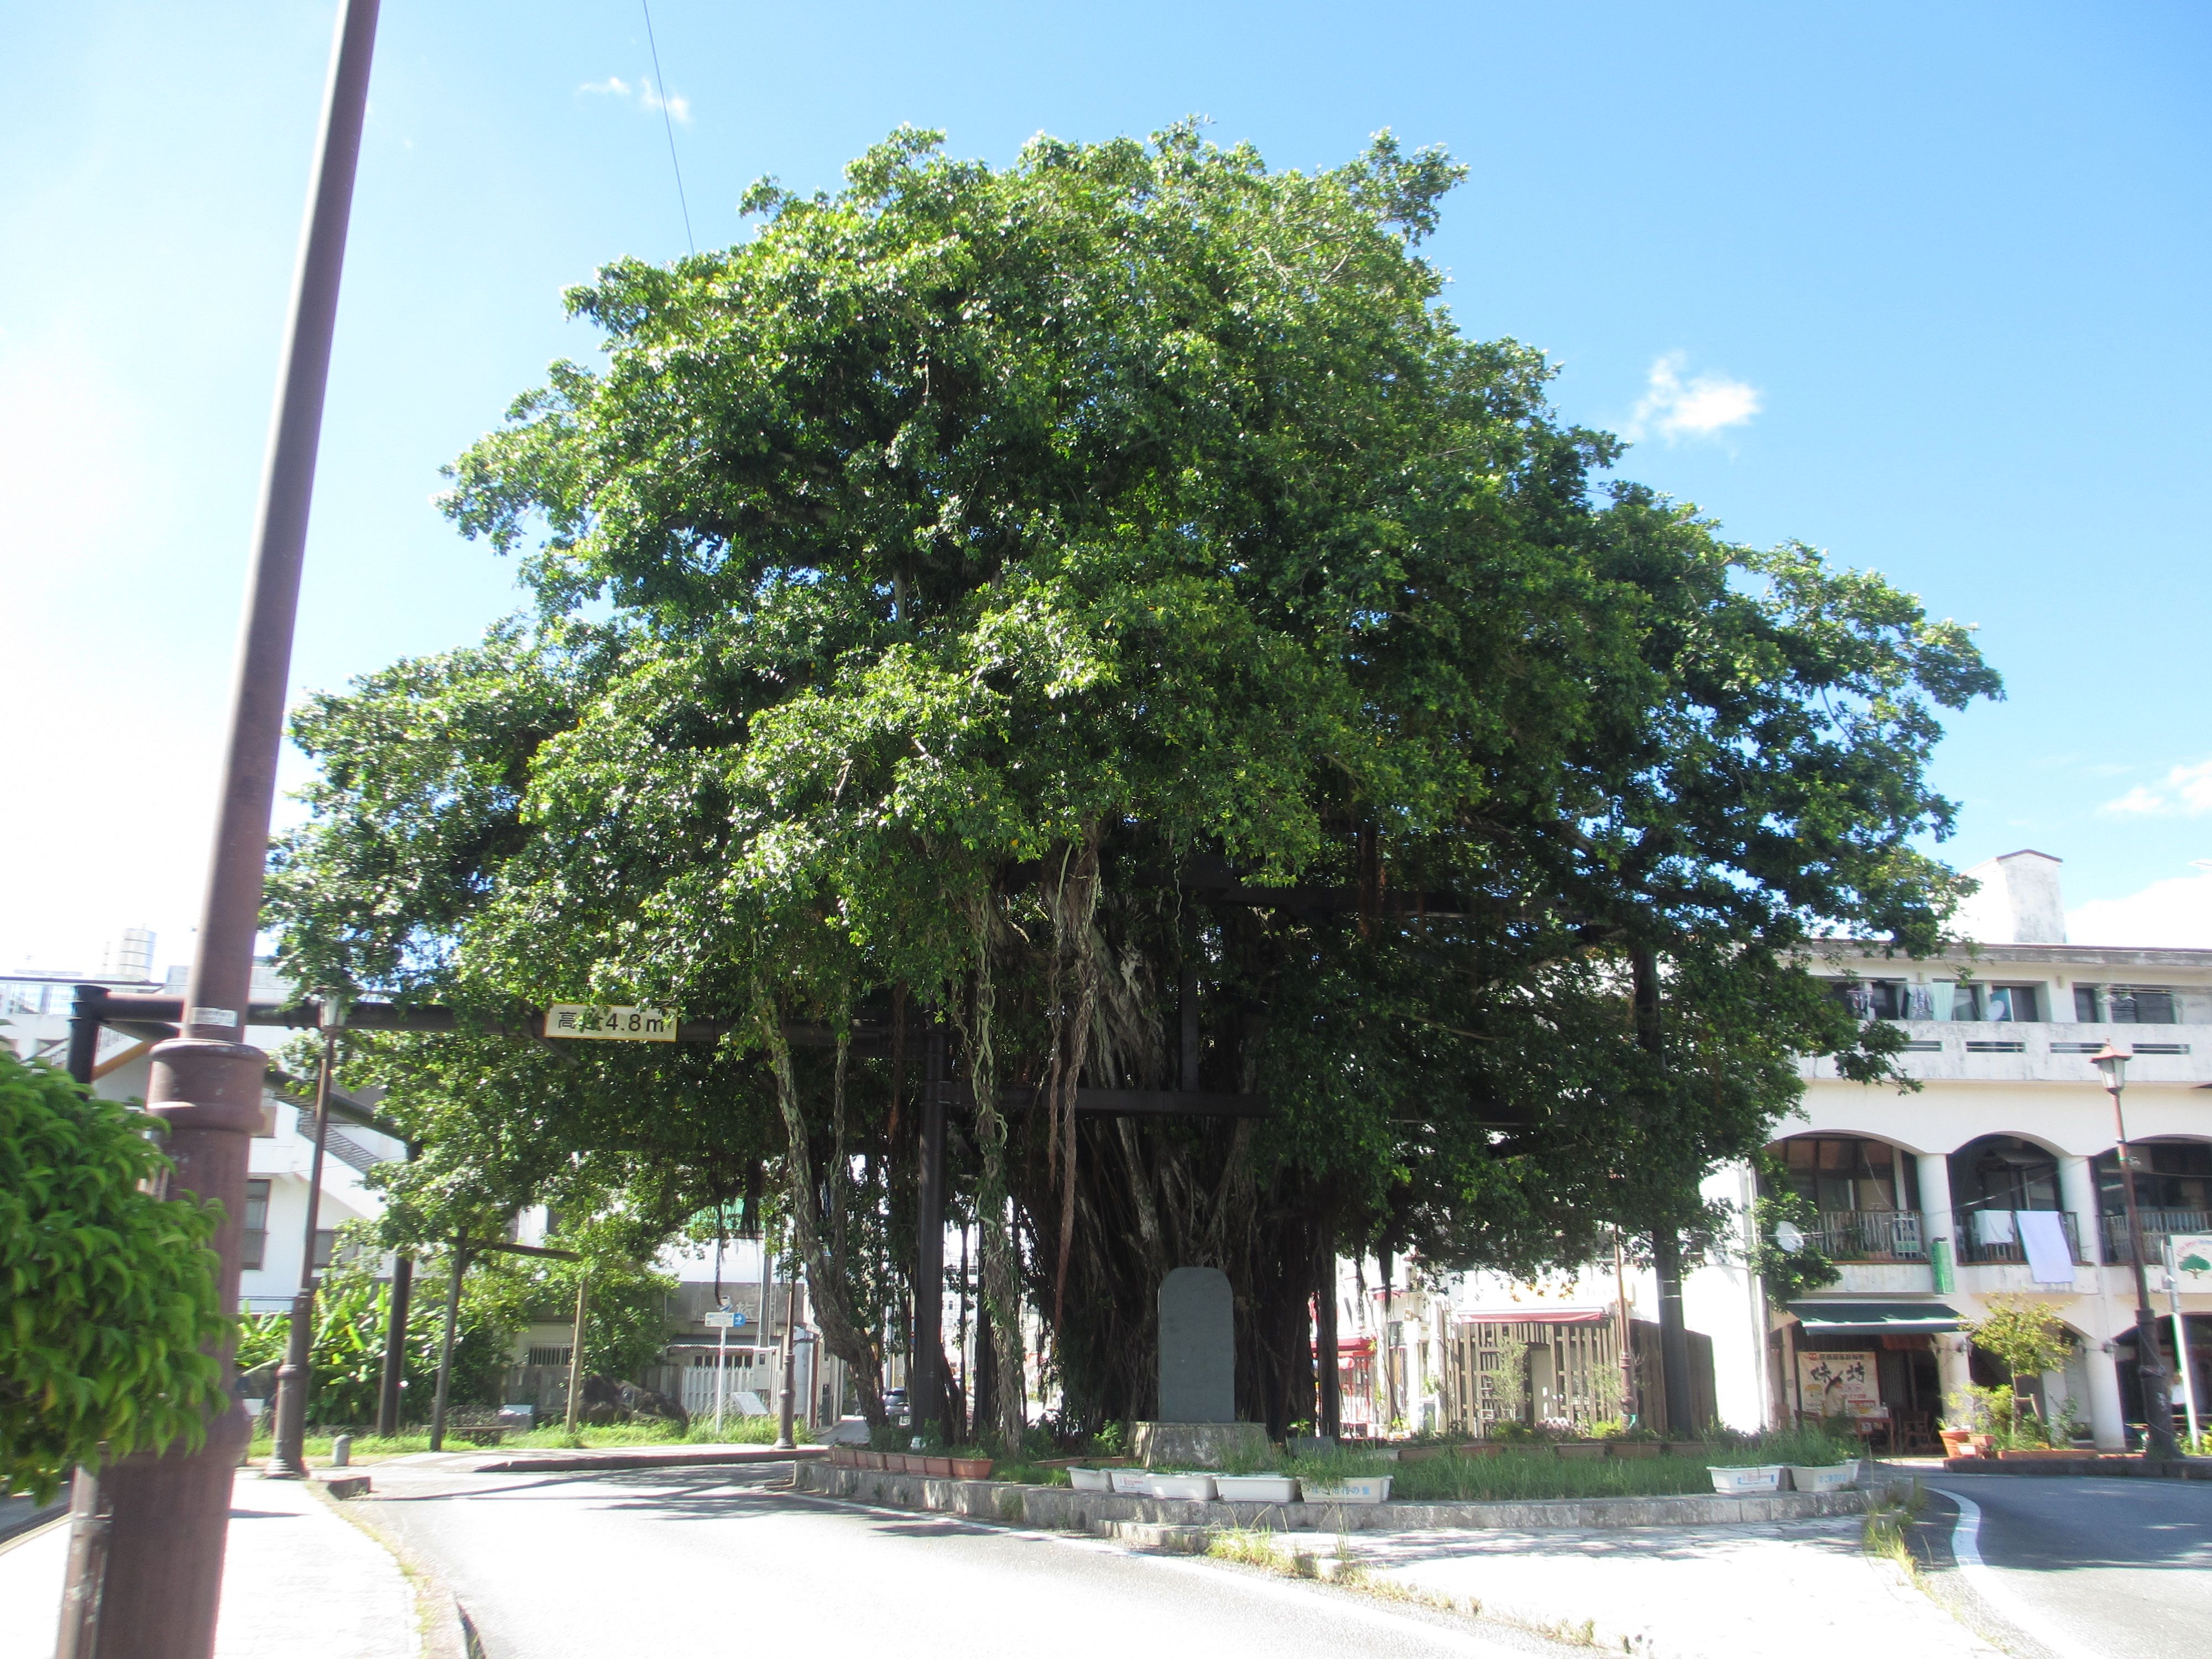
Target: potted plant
(1256, 1488)
(971, 1468)
(1187, 1487)
(1580, 1450)
(1085, 1480)
(1349, 1489)
(1740, 1480)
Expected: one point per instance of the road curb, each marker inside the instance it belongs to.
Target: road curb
(447, 1631)
(2124, 1466)
(1060, 1507)
(603, 1462)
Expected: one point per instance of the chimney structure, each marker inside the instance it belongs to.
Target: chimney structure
(2018, 901)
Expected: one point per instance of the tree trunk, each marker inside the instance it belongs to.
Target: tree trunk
(1326, 1366)
(844, 1332)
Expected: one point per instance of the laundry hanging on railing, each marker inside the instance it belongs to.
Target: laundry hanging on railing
(2050, 1257)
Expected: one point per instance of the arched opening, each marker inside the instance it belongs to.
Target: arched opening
(2173, 1194)
(2199, 1327)
(1865, 1195)
(2006, 1192)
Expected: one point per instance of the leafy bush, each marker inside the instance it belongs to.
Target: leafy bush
(346, 1355)
(109, 1318)
(1814, 1446)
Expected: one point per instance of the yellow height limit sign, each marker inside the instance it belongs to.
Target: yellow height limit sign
(598, 1023)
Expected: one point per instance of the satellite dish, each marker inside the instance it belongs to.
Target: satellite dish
(1787, 1236)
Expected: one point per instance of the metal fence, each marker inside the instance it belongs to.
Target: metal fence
(1870, 1235)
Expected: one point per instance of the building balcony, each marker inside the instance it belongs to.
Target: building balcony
(1983, 1236)
(2157, 1225)
(1869, 1235)
(2042, 1051)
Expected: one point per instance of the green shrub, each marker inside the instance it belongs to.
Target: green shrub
(108, 1315)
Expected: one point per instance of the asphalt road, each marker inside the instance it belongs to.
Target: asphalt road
(2090, 1569)
(674, 1562)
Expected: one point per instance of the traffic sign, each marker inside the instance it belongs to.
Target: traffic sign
(601, 1022)
(724, 1319)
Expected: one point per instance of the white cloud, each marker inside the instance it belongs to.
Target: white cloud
(2175, 913)
(2187, 790)
(1698, 407)
(677, 106)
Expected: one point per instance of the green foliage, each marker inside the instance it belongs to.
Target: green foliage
(2027, 1337)
(1787, 1274)
(1809, 1443)
(928, 584)
(109, 1320)
(346, 1354)
(626, 1312)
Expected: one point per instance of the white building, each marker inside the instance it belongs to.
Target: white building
(34, 1019)
(1996, 1176)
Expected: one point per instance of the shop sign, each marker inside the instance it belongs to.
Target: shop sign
(599, 1023)
(1839, 1383)
(2191, 1261)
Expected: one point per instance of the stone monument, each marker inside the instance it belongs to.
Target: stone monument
(1197, 1421)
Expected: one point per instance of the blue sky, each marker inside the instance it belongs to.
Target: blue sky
(1924, 286)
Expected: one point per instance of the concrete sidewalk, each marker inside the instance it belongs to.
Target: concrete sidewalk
(1774, 1591)
(298, 1579)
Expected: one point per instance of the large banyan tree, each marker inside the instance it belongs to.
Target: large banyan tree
(1104, 609)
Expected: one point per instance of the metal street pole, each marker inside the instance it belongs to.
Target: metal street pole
(164, 1568)
(2150, 1364)
(783, 1402)
(2181, 1342)
(445, 1343)
(721, 1366)
(294, 1377)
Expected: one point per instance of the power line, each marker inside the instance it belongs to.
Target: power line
(675, 165)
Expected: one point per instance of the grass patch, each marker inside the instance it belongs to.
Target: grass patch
(1509, 1477)
(1887, 1530)
(371, 1448)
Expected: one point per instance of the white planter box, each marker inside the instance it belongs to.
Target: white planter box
(1090, 1481)
(1762, 1477)
(1184, 1488)
(1131, 1483)
(1821, 1477)
(1255, 1488)
(1367, 1489)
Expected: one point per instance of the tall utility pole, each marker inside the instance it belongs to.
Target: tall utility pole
(295, 1377)
(2150, 1364)
(163, 1577)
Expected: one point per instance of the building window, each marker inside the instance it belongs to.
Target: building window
(256, 1242)
(1870, 999)
(2003, 1004)
(2170, 1175)
(1839, 1173)
(324, 1238)
(2085, 1005)
(548, 1356)
(2003, 1172)
(2140, 1005)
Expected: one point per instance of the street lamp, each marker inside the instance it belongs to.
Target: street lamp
(2158, 1405)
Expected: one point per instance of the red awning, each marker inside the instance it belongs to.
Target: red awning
(1535, 1316)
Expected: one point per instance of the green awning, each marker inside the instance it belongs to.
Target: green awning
(1874, 1318)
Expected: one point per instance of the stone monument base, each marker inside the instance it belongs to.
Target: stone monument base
(1198, 1445)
